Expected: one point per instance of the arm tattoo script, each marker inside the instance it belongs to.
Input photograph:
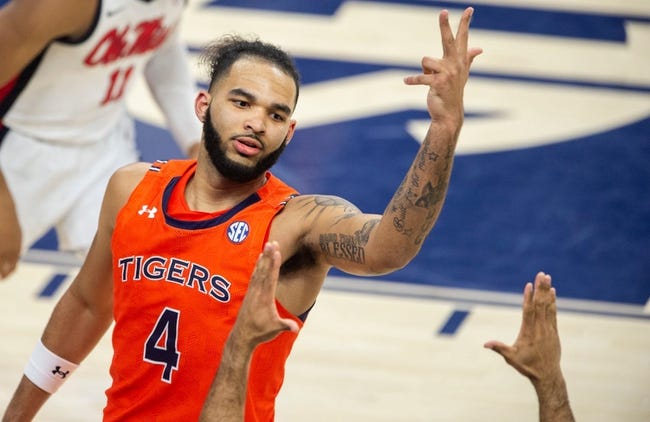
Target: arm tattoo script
(348, 247)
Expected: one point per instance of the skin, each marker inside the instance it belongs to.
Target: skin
(536, 352)
(251, 109)
(9, 233)
(257, 322)
(27, 27)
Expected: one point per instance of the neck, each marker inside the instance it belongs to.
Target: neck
(209, 191)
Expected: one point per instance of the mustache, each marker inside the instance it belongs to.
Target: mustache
(251, 135)
(247, 135)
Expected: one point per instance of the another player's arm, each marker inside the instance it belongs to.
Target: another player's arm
(537, 351)
(174, 88)
(28, 26)
(84, 312)
(10, 234)
(258, 321)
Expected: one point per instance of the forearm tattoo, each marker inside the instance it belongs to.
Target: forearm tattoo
(347, 247)
(412, 195)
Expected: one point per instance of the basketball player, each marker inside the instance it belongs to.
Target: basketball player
(535, 354)
(177, 241)
(67, 66)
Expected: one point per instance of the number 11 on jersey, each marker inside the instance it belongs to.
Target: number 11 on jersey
(117, 83)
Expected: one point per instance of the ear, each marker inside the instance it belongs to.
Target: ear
(291, 131)
(201, 104)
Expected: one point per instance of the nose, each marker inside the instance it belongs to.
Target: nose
(255, 121)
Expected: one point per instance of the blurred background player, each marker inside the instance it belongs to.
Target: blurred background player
(67, 66)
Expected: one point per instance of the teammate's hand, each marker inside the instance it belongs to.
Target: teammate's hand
(258, 319)
(536, 352)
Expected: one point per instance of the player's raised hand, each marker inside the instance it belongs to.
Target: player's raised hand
(446, 76)
(258, 320)
(536, 352)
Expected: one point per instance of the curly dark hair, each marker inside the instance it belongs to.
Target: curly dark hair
(220, 55)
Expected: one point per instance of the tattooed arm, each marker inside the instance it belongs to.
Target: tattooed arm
(373, 244)
(416, 205)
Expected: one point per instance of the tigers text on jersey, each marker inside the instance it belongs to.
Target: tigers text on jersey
(179, 278)
(73, 92)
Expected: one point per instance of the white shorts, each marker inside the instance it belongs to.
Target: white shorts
(62, 186)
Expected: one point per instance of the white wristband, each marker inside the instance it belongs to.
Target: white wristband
(47, 370)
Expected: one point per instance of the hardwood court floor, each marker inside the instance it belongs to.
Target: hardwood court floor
(366, 356)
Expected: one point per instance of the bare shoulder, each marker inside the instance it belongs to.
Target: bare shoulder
(305, 215)
(131, 173)
(314, 206)
(124, 181)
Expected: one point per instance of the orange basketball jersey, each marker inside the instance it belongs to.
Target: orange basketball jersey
(179, 278)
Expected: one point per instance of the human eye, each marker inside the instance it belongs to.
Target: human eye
(238, 102)
(278, 117)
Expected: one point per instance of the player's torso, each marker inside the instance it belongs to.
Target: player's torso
(74, 91)
(178, 285)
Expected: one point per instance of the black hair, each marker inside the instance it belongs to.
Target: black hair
(220, 55)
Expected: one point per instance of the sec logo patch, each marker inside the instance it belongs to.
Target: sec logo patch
(238, 231)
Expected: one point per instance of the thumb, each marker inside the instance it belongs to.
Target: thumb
(498, 347)
(290, 325)
(6, 268)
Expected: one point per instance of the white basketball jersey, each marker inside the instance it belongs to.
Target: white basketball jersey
(74, 92)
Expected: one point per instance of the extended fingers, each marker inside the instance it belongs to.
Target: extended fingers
(430, 67)
(499, 347)
(457, 45)
(472, 53)
(423, 79)
(447, 36)
(267, 268)
(289, 325)
(544, 298)
(542, 295)
(552, 314)
(453, 47)
(258, 314)
(6, 268)
(528, 310)
(462, 34)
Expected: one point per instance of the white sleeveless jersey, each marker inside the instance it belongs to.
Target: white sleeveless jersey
(74, 92)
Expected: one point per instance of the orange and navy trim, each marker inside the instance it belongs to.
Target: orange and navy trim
(156, 166)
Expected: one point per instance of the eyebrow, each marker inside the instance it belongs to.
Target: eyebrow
(250, 97)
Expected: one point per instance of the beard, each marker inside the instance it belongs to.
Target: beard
(231, 169)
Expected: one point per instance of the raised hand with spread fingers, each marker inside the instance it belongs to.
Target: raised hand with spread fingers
(536, 352)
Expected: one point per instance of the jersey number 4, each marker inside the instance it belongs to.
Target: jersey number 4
(161, 347)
